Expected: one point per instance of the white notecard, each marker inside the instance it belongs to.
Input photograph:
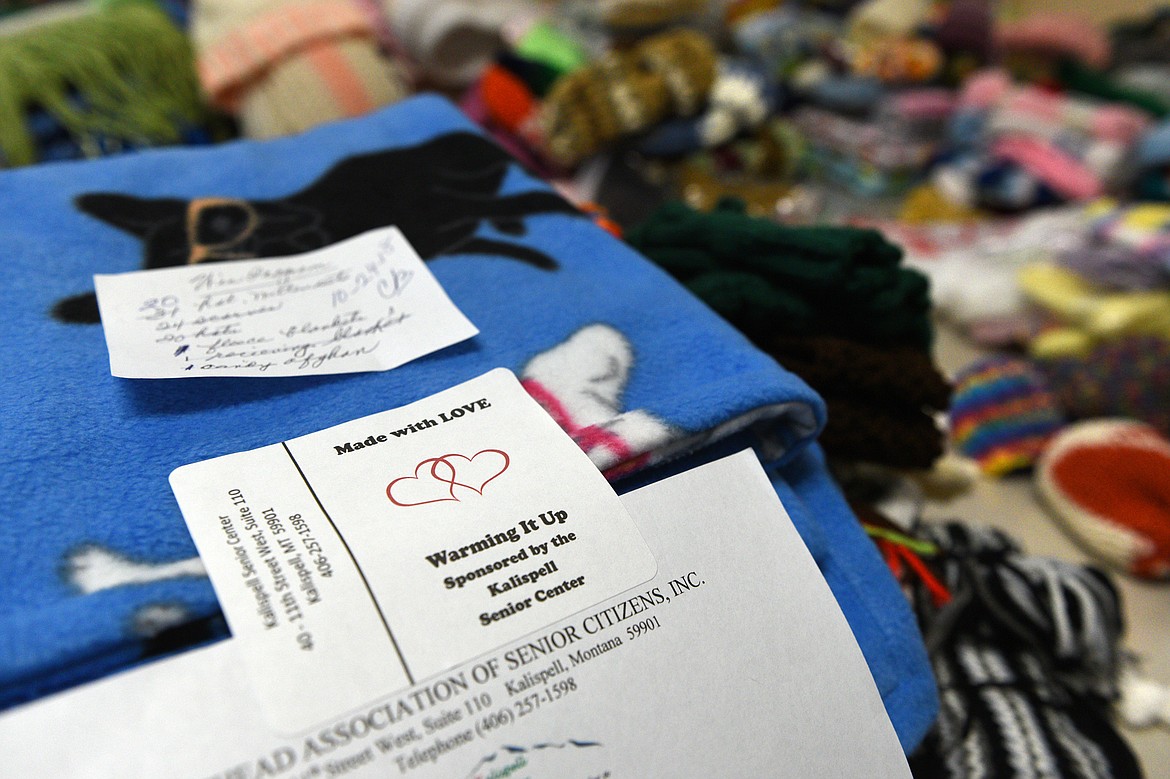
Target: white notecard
(357, 560)
(366, 304)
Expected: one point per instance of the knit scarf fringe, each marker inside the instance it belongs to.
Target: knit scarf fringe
(123, 73)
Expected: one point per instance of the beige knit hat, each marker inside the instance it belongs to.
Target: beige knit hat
(282, 67)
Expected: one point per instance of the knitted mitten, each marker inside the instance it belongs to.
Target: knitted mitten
(1087, 313)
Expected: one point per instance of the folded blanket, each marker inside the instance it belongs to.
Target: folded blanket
(101, 570)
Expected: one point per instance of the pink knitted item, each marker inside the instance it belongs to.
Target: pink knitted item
(985, 88)
(926, 103)
(1120, 123)
(1065, 175)
(1056, 34)
(1104, 121)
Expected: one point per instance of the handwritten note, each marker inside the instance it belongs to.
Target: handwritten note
(366, 304)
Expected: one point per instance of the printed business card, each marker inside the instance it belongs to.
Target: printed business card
(389, 548)
(365, 304)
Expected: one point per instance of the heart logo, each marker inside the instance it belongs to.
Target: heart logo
(421, 488)
(436, 479)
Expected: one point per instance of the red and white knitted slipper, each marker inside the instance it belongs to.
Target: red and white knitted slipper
(1108, 480)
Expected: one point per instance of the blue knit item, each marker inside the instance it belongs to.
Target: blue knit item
(1153, 148)
(100, 571)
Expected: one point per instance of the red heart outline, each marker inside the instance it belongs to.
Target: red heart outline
(450, 480)
(449, 490)
(454, 482)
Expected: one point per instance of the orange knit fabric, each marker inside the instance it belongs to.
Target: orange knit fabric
(507, 98)
(343, 80)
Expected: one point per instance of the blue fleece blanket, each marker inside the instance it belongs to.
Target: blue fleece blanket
(99, 571)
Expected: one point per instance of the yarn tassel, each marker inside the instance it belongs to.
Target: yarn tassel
(125, 72)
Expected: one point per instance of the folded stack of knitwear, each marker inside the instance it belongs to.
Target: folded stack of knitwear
(772, 280)
(101, 570)
(1026, 650)
(90, 81)
(1136, 240)
(824, 301)
(880, 400)
(867, 156)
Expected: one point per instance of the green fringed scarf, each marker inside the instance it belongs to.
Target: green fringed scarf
(123, 72)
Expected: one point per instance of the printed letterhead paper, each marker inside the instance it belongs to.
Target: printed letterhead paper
(733, 661)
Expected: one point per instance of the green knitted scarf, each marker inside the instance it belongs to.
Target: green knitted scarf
(123, 72)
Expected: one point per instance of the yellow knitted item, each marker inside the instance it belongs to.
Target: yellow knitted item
(926, 204)
(1087, 313)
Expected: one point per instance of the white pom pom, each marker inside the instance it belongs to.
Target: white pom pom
(717, 127)
(1143, 701)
